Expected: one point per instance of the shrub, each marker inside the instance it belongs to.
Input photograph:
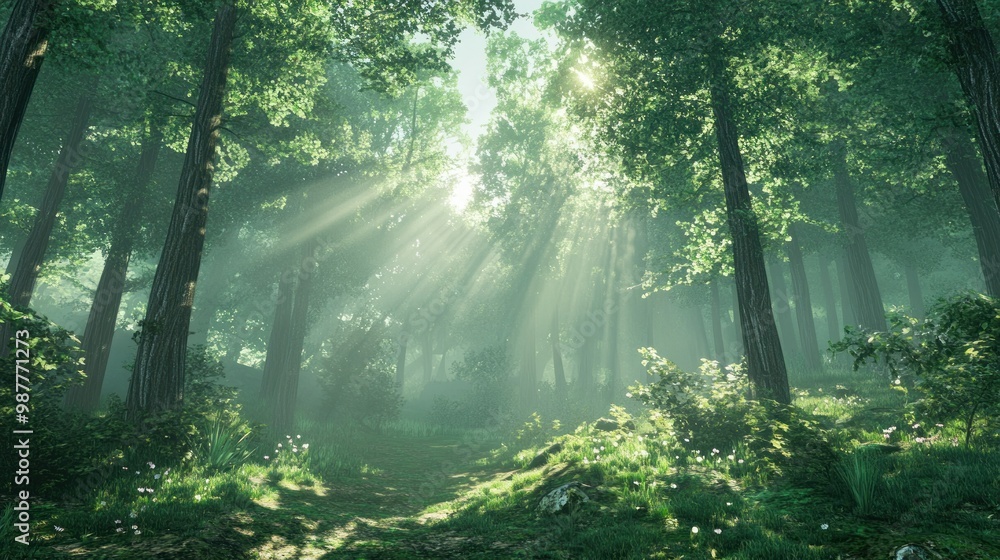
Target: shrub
(54, 362)
(952, 359)
(223, 444)
(489, 402)
(710, 409)
(361, 386)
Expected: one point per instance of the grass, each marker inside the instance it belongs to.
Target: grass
(410, 490)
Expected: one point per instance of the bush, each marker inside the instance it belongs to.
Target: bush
(363, 389)
(952, 359)
(489, 402)
(710, 410)
(54, 362)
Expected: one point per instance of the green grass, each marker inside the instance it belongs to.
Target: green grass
(412, 490)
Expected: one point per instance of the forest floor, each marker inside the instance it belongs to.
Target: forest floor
(425, 493)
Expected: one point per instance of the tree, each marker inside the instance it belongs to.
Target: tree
(662, 54)
(22, 50)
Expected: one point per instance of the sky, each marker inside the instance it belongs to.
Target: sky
(470, 64)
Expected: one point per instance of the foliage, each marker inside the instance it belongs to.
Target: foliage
(223, 444)
(362, 388)
(489, 403)
(710, 410)
(952, 358)
(861, 476)
(53, 362)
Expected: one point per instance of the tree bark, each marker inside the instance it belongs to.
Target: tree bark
(978, 70)
(846, 301)
(22, 50)
(529, 372)
(288, 386)
(427, 354)
(278, 342)
(557, 363)
(865, 295)
(720, 344)
(781, 300)
(803, 304)
(158, 376)
(832, 324)
(960, 158)
(916, 294)
(701, 337)
(100, 330)
(765, 362)
(404, 338)
(22, 284)
(15, 255)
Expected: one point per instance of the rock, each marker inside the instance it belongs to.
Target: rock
(911, 552)
(567, 495)
(543, 456)
(609, 425)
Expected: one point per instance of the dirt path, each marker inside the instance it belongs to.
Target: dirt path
(382, 515)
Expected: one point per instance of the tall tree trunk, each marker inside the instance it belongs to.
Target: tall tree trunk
(803, 304)
(865, 294)
(701, 337)
(846, 297)
(612, 363)
(427, 354)
(557, 363)
(960, 158)
(401, 359)
(830, 302)
(916, 294)
(527, 360)
(158, 375)
(765, 362)
(100, 330)
(288, 386)
(22, 284)
(15, 255)
(442, 368)
(23, 44)
(975, 62)
(781, 299)
(720, 344)
(278, 342)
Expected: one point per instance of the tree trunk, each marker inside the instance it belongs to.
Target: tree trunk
(22, 284)
(278, 342)
(22, 51)
(832, 324)
(404, 338)
(846, 301)
(975, 62)
(15, 255)
(288, 386)
(100, 330)
(701, 338)
(427, 354)
(611, 359)
(529, 374)
(442, 369)
(916, 294)
(158, 376)
(865, 295)
(720, 344)
(803, 304)
(960, 158)
(781, 299)
(557, 364)
(765, 362)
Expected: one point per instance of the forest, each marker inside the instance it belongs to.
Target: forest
(500, 279)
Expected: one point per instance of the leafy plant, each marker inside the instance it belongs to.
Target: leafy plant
(861, 474)
(224, 444)
(952, 358)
